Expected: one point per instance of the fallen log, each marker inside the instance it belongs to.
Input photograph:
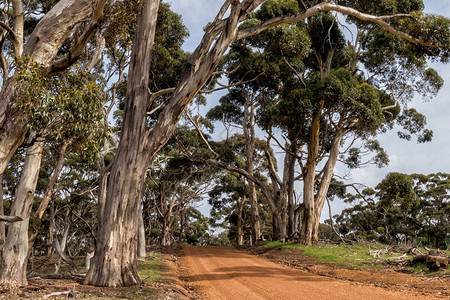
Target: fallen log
(432, 262)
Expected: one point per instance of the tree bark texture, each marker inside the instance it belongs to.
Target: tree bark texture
(325, 183)
(141, 235)
(2, 212)
(309, 178)
(114, 263)
(249, 135)
(240, 222)
(15, 250)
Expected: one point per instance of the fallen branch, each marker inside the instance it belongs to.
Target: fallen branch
(68, 293)
(378, 253)
(432, 262)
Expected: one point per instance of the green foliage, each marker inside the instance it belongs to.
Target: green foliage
(325, 34)
(66, 106)
(272, 8)
(168, 59)
(414, 123)
(198, 225)
(220, 240)
(402, 207)
(122, 21)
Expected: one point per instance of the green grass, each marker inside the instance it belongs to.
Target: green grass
(151, 269)
(351, 256)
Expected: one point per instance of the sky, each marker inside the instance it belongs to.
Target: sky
(405, 156)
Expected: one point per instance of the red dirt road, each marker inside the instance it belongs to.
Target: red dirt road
(227, 273)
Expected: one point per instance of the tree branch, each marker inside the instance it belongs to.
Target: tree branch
(9, 29)
(74, 54)
(10, 219)
(326, 6)
(244, 173)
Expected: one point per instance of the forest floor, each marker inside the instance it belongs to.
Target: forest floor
(200, 272)
(159, 272)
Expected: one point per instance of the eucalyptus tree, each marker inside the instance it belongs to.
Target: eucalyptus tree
(115, 259)
(70, 107)
(434, 207)
(178, 179)
(238, 109)
(234, 189)
(324, 97)
(51, 27)
(401, 207)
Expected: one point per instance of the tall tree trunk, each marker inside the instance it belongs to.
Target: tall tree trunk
(298, 217)
(18, 27)
(280, 188)
(51, 228)
(114, 263)
(278, 226)
(141, 234)
(290, 188)
(182, 222)
(309, 178)
(15, 250)
(325, 183)
(2, 212)
(240, 223)
(249, 135)
(165, 238)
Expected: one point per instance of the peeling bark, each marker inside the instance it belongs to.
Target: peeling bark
(115, 259)
(309, 177)
(15, 250)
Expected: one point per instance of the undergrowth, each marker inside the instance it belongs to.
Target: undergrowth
(347, 255)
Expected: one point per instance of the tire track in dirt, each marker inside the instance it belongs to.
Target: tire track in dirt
(227, 273)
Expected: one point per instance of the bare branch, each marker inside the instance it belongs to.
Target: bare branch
(295, 71)
(160, 93)
(326, 6)
(10, 219)
(201, 133)
(244, 173)
(9, 29)
(77, 49)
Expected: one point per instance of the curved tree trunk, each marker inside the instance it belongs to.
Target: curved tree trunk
(290, 189)
(115, 259)
(15, 250)
(114, 263)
